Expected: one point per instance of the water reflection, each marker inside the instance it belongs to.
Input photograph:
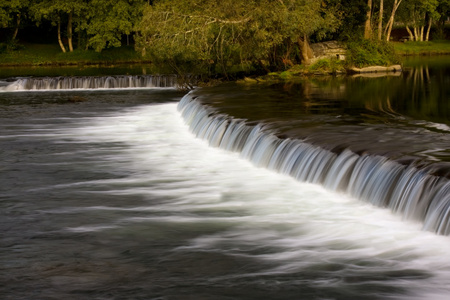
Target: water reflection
(112, 198)
(399, 117)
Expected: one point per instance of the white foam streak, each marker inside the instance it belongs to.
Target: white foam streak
(407, 190)
(90, 83)
(266, 216)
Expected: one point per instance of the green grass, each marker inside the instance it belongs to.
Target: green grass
(327, 66)
(422, 48)
(364, 53)
(50, 54)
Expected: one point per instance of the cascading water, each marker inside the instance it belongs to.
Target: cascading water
(113, 197)
(90, 82)
(412, 192)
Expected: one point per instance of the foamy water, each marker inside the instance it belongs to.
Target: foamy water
(127, 203)
(293, 227)
(88, 83)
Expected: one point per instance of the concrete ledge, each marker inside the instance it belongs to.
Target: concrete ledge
(376, 75)
(377, 69)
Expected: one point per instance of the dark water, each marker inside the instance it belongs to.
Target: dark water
(390, 115)
(111, 197)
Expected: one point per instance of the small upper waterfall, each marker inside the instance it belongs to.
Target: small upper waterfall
(91, 82)
(414, 193)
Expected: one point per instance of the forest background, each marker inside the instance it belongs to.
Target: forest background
(215, 37)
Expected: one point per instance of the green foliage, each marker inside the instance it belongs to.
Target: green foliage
(353, 15)
(327, 66)
(364, 53)
(109, 19)
(9, 9)
(100, 23)
(418, 14)
(218, 35)
(10, 46)
(286, 75)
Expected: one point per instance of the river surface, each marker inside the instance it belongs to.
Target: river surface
(107, 194)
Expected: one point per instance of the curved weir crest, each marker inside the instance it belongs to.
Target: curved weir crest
(406, 190)
(91, 83)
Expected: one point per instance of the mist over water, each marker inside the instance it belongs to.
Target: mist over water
(114, 198)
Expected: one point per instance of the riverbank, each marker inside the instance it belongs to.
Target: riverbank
(51, 55)
(422, 48)
(300, 72)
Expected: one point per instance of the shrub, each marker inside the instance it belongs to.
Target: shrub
(364, 53)
(9, 46)
(286, 75)
(327, 66)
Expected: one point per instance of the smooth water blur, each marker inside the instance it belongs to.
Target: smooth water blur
(76, 70)
(402, 117)
(113, 198)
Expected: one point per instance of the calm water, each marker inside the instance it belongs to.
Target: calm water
(112, 197)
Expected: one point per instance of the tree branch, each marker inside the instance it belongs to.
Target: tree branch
(214, 20)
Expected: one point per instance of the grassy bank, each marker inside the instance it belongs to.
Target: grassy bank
(422, 48)
(49, 54)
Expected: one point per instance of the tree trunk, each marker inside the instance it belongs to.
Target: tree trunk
(16, 30)
(427, 37)
(411, 36)
(389, 28)
(416, 34)
(69, 32)
(368, 25)
(421, 33)
(390, 23)
(380, 20)
(307, 53)
(59, 36)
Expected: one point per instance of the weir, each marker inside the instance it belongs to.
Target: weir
(90, 82)
(416, 194)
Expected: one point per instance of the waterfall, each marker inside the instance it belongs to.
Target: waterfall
(414, 193)
(90, 82)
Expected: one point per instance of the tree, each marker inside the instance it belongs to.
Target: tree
(11, 14)
(390, 23)
(380, 20)
(108, 20)
(223, 33)
(418, 14)
(352, 15)
(102, 21)
(371, 13)
(443, 10)
(58, 11)
(368, 24)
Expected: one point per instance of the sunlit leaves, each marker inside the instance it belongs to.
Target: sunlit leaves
(227, 32)
(109, 19)
(10, 9)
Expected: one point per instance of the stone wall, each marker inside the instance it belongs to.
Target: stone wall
(331, 49)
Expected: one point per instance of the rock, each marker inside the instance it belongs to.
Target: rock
(377, 69)
(376, 75)
(331, 49)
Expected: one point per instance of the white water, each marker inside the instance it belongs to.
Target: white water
(89, 83)
(130, 204)
(406, 190)
(303, 225)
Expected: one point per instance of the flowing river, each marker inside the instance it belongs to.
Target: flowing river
(123, 187)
